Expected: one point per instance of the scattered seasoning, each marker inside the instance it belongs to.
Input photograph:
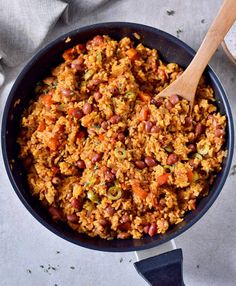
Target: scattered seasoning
(233, 170)
(130, 260)
(170, 12)
(29, 271)
(55, 285)
(198, 266)
(121, 259)
(178, 32)
(72, 267)
(203, 21)
(137, 36)
(68, 39)
(57, 252)
(41, 266)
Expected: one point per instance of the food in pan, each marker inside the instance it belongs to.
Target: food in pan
(103, 153)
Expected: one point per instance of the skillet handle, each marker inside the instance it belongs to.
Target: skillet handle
(165, 269)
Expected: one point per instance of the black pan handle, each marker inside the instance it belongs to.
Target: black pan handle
(165, 269)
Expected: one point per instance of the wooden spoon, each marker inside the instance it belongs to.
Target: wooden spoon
(186, 85)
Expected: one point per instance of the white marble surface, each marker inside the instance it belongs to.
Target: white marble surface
(208, 247)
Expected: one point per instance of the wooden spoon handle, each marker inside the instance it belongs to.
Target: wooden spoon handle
(215, 35)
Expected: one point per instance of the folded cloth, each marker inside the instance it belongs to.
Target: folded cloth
(24, 25)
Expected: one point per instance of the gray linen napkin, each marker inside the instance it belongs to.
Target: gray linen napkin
(23, 26)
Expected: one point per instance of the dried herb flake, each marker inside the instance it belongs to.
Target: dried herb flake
(170, 12)
(178, 32)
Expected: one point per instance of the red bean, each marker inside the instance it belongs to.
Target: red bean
(56, 181)
(104, 125)
(72, 218)
(140, 164)
(121, 136)
(169, 105)
(93, 83)
(78, 64)
(219, 132)
(97, 95)
(123, 235)
(148, 126)
(192, 163)
(87, 108)
(77, 113)
(81, 134)
(96, 157)
(103, 222)
(157, 102)
(110, 210)
(66, 92)
(125, 218)
(192, 147)
(150, 161)
(124, 226)
(198, 129)
(97, 40)
(81, 164)
(174, 99)
(153, 229)
(55, 213)
(77, 204)
(155, 129)
(188, 121)
(172, 159)
(115, 119)
(110, 177)
(146, 229)
(114, 90)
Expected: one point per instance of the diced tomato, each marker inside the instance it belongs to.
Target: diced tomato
(190, 176)
(138, 190)
(69, 54)
(144, 96)
(144, 113)
(54, 170)
(162, 179)
(41, 126)
(53, 143)
(101, 137)
(132, 54)
(47, 100)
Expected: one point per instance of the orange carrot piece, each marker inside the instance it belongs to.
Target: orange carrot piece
(190, 176)
(144, 113)
(101, 137)
(138, 190)
(144, 96)
(47, 100)
(42, 126)
(162, 179)
(132, 54)
(53, 143)
(69, 54)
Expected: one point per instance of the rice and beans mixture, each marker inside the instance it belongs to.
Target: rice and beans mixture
(106, 155)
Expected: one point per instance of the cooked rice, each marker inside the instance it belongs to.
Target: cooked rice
(105, 156)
